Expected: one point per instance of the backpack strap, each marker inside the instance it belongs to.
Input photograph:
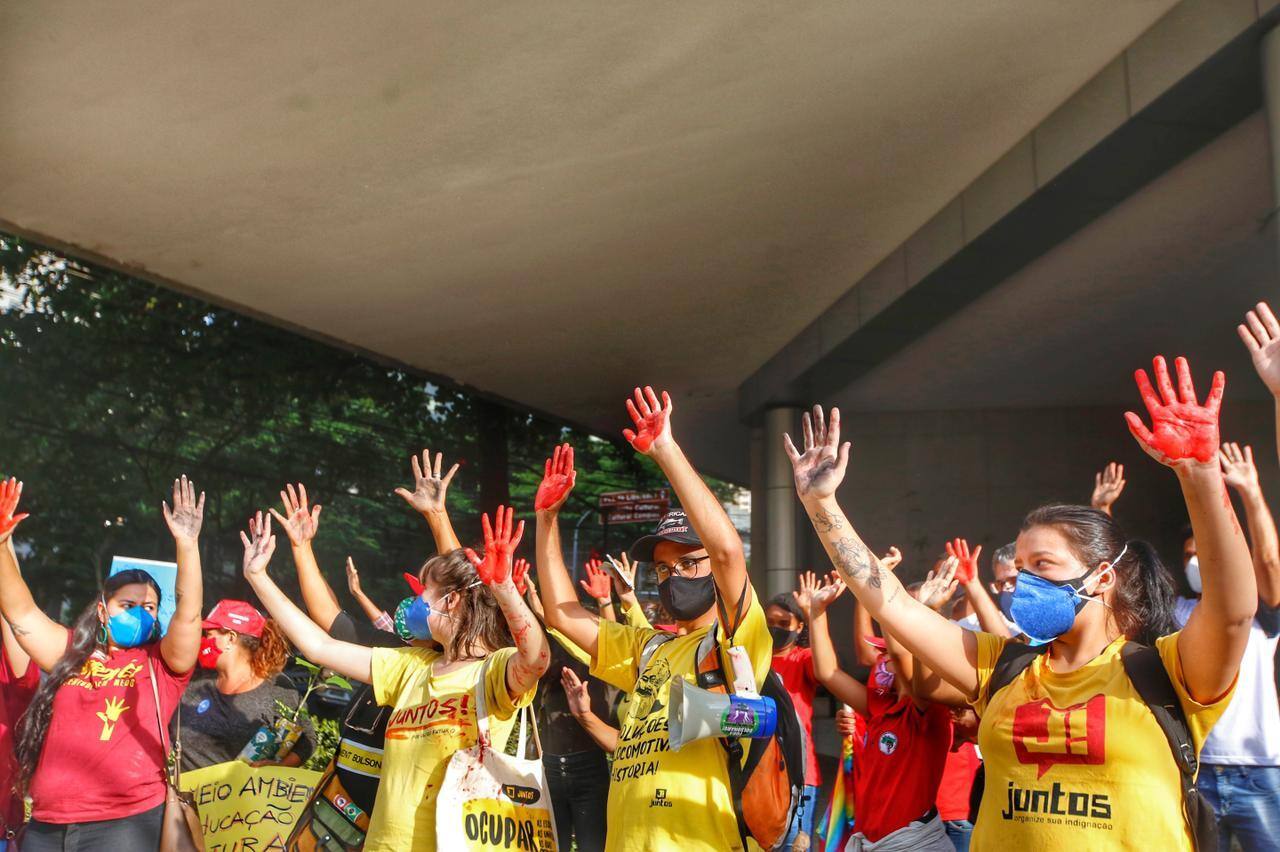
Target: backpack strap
(711, 675)
(1015, 658)
(1150, 679)
(650, 648)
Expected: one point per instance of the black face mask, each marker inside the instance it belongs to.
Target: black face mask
(687, 599)
(782, 637)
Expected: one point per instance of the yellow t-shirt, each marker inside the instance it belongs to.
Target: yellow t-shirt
(1077, 761)
(433, 716)
(659, 798)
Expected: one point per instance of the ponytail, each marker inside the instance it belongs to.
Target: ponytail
(269, 652)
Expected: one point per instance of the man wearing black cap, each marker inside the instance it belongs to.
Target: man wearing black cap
(660, 798)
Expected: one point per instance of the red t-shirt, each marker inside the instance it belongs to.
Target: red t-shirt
(15, 695)
(896, 778)
(957, 782)
(795, 667)
(103, 741)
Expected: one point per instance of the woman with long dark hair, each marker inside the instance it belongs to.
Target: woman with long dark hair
(89, 750)
(1075, 757)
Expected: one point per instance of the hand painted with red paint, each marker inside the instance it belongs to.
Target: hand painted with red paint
(819, 470)
(1183, 432)
(597, 584)
(520, 575)
(652, 420)
(967, 569)
(500, 543)
(10, 494)
(557, 480)
(1261, 335)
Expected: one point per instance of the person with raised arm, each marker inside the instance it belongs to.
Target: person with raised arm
(19, 680)
(1240, 762)
(1084, 591)
(685, 795)
(89, 750)
(1107, 486)
(377, 616)
(471, 606)
(897, 771)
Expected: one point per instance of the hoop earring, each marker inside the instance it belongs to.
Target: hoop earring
(102, 633)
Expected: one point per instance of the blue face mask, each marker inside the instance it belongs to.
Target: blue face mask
(132, 627)
(415, 618)
(1045, 609)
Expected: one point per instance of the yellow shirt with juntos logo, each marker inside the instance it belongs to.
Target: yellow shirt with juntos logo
(1076, 760)
(432, 717)
(660, 798)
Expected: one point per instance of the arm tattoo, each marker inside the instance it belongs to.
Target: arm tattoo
(17, 631)
(826, 521)
(854, 558)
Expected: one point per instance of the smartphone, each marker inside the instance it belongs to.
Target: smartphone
(617, 570)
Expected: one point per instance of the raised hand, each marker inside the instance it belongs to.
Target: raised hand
(1261, 335)
(1183, 432)
(652, 420)
(967, 569)
(940, 585)
(259, 544)
(353, 578)
(624, 574)
(557, 480)
(299, 522)
(429, 487)
(187, 515)
(575, 691)
(500, 543)
(10, 494)
(891, 560)
(520, 575)
(1107, 486)
(597, 583)
(815, 595)
(819, 470)
(1237, 467)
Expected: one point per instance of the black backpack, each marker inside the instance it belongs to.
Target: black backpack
(1147, 674)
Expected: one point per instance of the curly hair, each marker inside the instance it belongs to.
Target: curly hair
(269, 652)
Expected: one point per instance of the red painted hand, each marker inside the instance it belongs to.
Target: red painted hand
(597, 584)
(968, 567)
(652, 420)
(1182, 430)
(557, 480)
(519, 573)
(414, 585)
(500, 543)
(10, 494)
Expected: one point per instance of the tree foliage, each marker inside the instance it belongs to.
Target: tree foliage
(112, 386)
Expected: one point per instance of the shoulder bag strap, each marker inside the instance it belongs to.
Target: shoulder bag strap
(171, 776)
(482, 707)
(1014, 659)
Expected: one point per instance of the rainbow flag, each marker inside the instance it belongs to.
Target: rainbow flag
(836, 829)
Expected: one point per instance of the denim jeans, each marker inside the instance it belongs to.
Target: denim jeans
(140, 831)
(806, 816)
(1246, 800)
(579, 784)
(959, 831)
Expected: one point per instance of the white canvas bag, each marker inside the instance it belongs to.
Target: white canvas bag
(492, 801)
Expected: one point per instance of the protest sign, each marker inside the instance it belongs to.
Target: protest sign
(243, 809)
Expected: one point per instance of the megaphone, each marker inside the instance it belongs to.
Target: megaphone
(695, 713)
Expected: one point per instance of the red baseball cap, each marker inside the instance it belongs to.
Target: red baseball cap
(236, 616)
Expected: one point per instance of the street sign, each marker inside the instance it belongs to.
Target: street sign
(634, 507)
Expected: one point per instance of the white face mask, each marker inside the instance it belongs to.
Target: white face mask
(1193, 574)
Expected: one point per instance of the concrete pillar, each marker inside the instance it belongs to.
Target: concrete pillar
(759, 533)
(779, 503)
(1271, 103)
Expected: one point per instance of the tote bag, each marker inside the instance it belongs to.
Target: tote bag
(492, 801)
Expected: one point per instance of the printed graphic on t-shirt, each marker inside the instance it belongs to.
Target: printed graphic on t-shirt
(1045, 736)
(96, 674)
(888, 742)
(449, 717)
(644, 735)
(109, 717)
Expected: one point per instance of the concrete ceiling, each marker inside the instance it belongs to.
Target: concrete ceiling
(1170, 271)
(549, 202)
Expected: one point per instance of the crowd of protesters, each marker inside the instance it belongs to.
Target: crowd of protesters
(1067, 700)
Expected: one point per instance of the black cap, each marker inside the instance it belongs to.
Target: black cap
(674, 526)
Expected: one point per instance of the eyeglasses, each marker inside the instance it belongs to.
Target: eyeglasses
(686, 567)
